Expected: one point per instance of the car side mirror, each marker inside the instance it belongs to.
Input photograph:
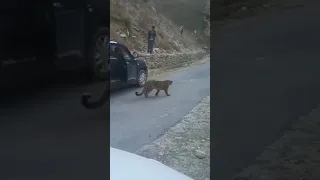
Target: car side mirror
(135, 54)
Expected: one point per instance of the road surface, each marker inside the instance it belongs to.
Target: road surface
(49, 135)
(136, 121)
(265, 73)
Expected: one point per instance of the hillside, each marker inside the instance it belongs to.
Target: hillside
(223, 10)
(131, 20)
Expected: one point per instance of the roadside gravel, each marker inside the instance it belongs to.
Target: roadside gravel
(295, 156)
(185, 147)
(172, 60)
(161, 73)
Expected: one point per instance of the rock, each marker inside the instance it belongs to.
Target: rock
(199, 154)
(135, 28)
(128, 33)
(153, 9)
(123, 35)
(156, 50)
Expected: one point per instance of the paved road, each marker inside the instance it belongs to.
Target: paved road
(265, 74)
(49, 135)
(136, 121)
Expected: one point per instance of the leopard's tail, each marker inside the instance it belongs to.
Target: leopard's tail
(95, 104)
(139, 94)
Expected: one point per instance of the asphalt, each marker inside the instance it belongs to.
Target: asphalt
(136, 121)
(265, 74)
(45, 133)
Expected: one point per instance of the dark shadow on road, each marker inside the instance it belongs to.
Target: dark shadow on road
(142, 98)
(45, 133)
(61, 80)
(301, 100)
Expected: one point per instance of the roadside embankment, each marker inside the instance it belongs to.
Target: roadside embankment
(295, 156)
(160, 62)
(185, 147)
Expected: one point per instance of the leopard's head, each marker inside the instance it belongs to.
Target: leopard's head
(169, 82)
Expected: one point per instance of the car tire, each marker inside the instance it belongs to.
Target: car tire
(141, 78)
(94, 71)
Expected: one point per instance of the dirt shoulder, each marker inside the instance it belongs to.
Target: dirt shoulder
(295, 156)
(160, 73)
(172, 60)
(185, 147)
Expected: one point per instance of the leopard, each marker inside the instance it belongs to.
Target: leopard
(155, 84)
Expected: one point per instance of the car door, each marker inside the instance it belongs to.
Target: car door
(131, 65)
(70, 33)
(116, 66)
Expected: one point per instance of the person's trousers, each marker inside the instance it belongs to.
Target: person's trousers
(150, 46)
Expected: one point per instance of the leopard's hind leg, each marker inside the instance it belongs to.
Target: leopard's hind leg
(166, 91)
(147, 92)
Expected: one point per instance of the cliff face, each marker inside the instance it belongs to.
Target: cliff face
(131, 20)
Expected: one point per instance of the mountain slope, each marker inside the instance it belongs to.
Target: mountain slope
(131, 20)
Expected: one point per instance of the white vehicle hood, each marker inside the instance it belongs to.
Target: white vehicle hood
(128, 166)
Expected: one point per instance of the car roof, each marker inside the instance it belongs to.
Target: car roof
(128, 166)
(113, 42)
(117, 43)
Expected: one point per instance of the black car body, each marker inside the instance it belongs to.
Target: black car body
(37, 37)
(125, 68)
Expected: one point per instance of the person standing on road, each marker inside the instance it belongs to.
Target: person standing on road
(151, 39)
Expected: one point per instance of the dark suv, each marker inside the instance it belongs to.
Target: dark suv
(44, 36)
(125, 68)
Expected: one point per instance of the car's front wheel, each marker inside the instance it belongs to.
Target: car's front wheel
(142, 78)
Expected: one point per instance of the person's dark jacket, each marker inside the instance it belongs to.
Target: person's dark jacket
(152, 35)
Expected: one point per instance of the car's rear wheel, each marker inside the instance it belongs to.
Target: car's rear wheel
(98, 56)
(142, 78)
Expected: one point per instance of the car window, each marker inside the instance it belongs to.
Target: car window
(112, 51)
(125, 53)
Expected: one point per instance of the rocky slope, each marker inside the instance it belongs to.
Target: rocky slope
(131, 20)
